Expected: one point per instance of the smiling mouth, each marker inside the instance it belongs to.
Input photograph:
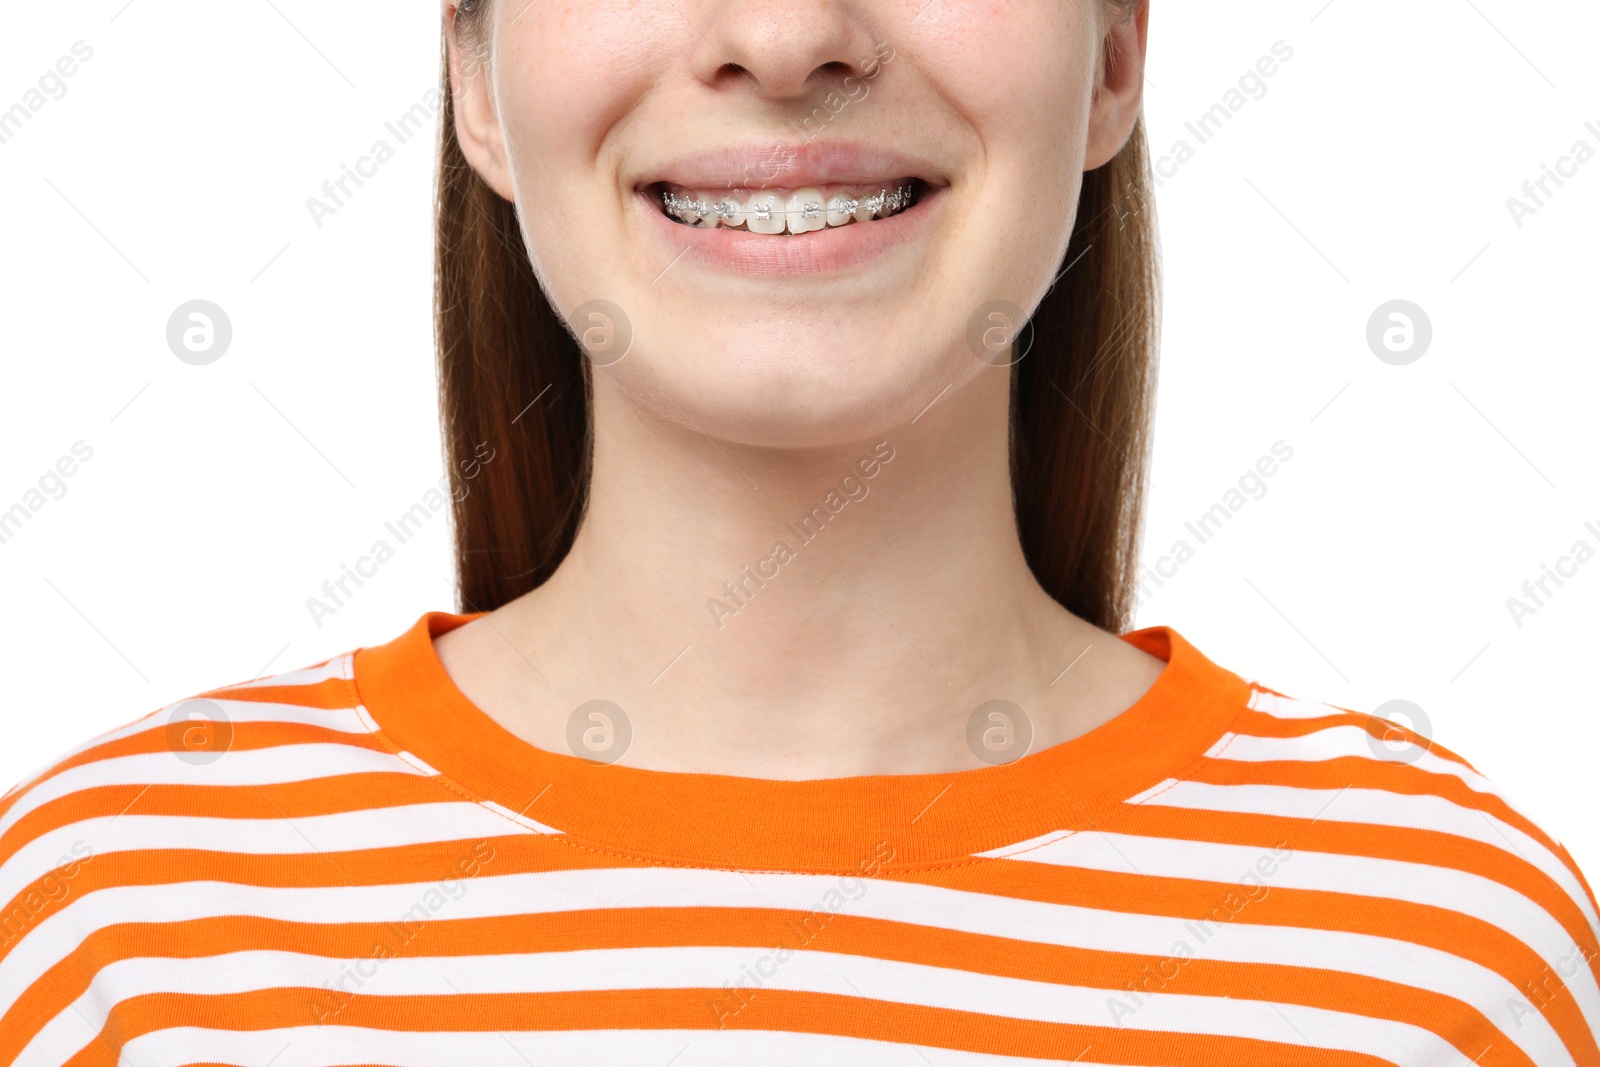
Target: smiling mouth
(788, 211)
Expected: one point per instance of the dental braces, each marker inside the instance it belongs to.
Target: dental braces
(883, 202)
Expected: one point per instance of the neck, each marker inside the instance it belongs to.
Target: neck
(800, 613)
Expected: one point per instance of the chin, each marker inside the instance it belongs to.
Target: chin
(791, 388)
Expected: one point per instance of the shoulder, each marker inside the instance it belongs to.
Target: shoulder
(1381, 874)
(186, 817)
(1382, 833)
(1385, 766)
(1382, 776)
(234, 724)
(223, 770)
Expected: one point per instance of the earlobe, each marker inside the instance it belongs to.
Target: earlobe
(1119, 92)
(477, 125)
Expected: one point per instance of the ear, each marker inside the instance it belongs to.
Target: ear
(1119, 92)
(472, 96)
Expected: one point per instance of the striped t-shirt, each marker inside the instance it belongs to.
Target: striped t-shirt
(351, 864)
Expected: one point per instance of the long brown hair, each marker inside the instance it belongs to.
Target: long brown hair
(512, 380)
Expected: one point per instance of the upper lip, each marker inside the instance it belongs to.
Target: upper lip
(789, 165)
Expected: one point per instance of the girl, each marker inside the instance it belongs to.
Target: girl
(796, 362)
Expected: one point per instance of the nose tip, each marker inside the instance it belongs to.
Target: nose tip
(781, 49)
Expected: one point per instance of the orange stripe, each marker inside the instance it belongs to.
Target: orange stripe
(1114, 972)
(1207, 902)
(1441, 929)
(231, 737)
(333, 795)
(425, 863)
(687, 1009)
(1357, 772)
(1268, 725)
(518, 853)
(1180, 898)
(330, 694)
(1405, 844)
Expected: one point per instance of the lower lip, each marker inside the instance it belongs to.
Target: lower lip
(833, 250)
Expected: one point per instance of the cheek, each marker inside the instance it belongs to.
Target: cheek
(1021, 76)
(1018, 71)
(576, 58)
(570, 73)
(568, 77)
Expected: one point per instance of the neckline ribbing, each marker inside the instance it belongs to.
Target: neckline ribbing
(829, 824)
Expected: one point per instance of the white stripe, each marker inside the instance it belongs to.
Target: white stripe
(246, 766)
(344, 720)
(37, 773)
(490, 895)
(367, 719)
(520, 820)
(1290, 708)
(368, 828)
(1026, 846)
(334, 1046)
(1378, 807)
(804, 972)
(137, 726)
(1246, 874)
(1351, 740)
(337, 667)
(1155, 790)
(1338, 742)
(341, 720)
(418, 763)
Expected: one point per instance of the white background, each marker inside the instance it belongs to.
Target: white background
(1377, 166)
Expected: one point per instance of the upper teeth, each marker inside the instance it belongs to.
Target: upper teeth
(773, 211)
